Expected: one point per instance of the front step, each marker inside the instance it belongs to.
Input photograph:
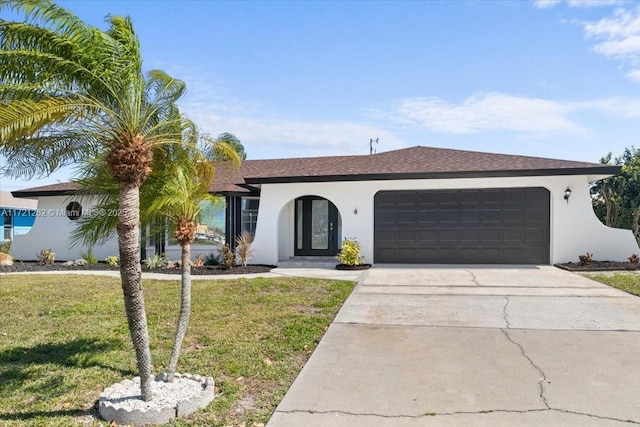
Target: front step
(309, 262)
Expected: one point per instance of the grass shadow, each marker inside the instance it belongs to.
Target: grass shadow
(25, 416)
(16, 363)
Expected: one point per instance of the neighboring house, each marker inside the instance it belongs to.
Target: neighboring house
(18, 215)
(415, 205)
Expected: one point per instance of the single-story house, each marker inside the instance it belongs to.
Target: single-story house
(414, 205)
(18, 215)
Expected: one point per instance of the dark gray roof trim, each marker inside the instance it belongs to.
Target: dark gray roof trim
(31, 194)
(605, 170)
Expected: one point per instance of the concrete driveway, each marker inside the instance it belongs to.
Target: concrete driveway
(473, 346)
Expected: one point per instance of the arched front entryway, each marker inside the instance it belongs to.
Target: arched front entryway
(316, 227)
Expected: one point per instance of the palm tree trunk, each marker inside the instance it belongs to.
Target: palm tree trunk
(131, 276)
(185, 311)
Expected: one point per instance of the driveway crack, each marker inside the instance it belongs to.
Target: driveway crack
(448, 414)
(543, 377)
(474, 279)
(504, 312)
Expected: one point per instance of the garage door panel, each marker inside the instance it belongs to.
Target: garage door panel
(505, 226)
(491, 236)
(533, 237)
(427, 237)
(407, 236)
(468, 216)
(448, 237)
(470, 237)
(515, 235)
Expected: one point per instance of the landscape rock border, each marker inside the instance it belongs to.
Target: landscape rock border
(121, 402)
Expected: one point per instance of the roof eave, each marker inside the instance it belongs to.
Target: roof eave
(35, 194)
(605, 170)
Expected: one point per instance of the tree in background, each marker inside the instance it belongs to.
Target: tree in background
(71, 93)
(616, 200)
(234, 142)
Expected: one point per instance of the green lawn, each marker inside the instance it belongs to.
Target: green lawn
(64, 338)
(625, 281)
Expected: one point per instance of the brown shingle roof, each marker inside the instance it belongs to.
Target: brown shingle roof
(62, 188)
(414, 162)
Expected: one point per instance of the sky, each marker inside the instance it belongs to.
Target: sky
(546, 78)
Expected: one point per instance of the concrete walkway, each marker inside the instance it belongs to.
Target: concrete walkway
(476, 346)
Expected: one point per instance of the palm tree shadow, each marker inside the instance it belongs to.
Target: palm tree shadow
(17, 369)
(25, 416)
(16, 363)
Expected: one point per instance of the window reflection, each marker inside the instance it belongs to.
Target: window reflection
(210, 227)
(249, 214)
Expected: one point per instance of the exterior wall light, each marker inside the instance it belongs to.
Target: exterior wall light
(355, 211)
(567, 194)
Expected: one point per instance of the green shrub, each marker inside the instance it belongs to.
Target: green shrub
(90, 257)
(112, 261)
(211, 260)
(5, 246)
(156, 261)
(226, 257)
(350, 253)
(47, 256)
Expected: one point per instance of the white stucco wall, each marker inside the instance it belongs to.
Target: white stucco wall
(575, 229)
(51, 230)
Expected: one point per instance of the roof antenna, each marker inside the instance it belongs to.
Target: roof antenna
(371, 141)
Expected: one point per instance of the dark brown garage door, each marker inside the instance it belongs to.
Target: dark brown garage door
(489, 226)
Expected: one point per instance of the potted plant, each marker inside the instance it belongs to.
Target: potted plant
(349, 256)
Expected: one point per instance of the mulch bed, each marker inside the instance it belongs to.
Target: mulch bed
(353, 267)
(599, 266)
(205, 270)
(260, 268)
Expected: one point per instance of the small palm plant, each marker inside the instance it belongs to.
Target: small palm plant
(182, 189)
(243, 247)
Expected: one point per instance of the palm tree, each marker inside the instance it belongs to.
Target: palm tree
(69, 93)
(183, 190)
(176, 190)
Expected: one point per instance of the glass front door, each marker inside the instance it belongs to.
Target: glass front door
(316, 227)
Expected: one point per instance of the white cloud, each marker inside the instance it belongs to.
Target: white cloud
(622, 107)
(624, 47)
(546, 4)
(634, 75)
(593, 3)
(487, 113)
(617, 36)
(267, 135)
(496, 112)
